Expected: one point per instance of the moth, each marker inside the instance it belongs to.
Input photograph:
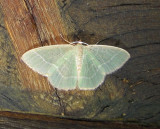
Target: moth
(76, 65)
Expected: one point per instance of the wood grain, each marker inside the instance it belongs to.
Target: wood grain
(132, 93)
(32, 24)
(21, 120)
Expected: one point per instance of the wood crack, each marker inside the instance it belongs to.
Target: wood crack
(11, 101)
(62, 107)
(142, 45)
(129, 4)
(30, 9)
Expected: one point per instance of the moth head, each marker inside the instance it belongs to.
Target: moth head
(79, 42)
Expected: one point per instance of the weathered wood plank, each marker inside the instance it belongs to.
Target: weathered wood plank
(20, 120)
(131, 93)
(32, 24)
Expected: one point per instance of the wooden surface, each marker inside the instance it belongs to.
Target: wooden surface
(132, 93)
(31, 24)
(13, 120)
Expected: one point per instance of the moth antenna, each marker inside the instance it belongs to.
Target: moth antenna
(97, 42)
(65, 39)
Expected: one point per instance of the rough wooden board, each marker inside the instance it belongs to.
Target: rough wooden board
(31, 24)
(21, 120)
(8, 67)
(131, 93)
(134, 26)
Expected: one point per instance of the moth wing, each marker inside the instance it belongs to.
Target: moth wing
(57, 62)
(99, 61)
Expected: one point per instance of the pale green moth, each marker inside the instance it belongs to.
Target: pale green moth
(75, 65)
